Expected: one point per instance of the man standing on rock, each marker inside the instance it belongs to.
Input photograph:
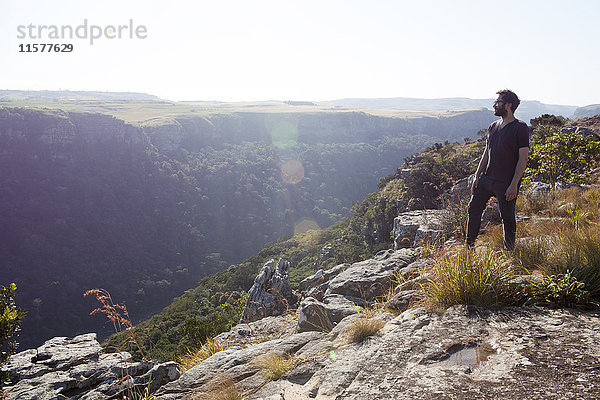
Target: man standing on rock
(503, 162)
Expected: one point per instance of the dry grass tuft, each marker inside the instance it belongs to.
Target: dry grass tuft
(363, 327)
(533, 252)
(274, 365)
(223, 388)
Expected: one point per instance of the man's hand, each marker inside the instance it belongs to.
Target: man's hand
(474, 185)
(511, 192)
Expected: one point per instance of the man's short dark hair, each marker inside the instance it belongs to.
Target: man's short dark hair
(510, 97)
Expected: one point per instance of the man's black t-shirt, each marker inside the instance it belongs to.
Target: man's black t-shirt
(504, 145)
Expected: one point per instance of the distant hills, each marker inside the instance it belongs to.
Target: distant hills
(587, 111)
(61, 95)
(527, 110)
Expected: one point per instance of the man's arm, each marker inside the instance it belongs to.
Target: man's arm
(511, 192)
(482, 164)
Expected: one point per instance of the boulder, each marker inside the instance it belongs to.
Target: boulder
(312, 281)
(239, 365)
(537, 189)
(312, 316)
(322, 316)
(413, 269)
(416, 227)
(316, 284)
(371, 278)
(461, 189)
(268, 328)
(403, 299)
(271, 293)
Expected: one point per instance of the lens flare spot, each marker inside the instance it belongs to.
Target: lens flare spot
(284, 134)
(304, 225)
(292, 171)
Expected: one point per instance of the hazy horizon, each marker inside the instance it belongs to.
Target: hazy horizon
(324, 102)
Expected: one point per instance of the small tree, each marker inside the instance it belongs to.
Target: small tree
(564, 158)
(10, 320)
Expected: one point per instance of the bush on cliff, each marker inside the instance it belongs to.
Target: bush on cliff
(10, 320)
(557, 157)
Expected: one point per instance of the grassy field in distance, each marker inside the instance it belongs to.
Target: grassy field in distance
(136, 112)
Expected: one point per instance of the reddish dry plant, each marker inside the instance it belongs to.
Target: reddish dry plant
(118, 315)
(228, 296)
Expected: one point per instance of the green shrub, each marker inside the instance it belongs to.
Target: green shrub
(10, 320)
(564, 158)
(562, 290)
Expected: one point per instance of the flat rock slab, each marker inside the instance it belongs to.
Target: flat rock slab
(466, 353)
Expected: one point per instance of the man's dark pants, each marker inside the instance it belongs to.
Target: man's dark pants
(484, 190)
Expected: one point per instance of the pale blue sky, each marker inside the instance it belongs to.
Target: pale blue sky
(236, 50)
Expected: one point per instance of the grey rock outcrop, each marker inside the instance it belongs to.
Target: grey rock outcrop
(271, 293)
(316, 284)
(461, 190)
(579, 130)
(416, 227)
(274, 327)
(77, 368)
(315, 315)
(371, 278)
(344, 289)
(537, 189)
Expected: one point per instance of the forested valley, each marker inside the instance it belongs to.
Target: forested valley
(146, 210)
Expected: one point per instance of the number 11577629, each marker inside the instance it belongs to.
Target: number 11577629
(46, 48)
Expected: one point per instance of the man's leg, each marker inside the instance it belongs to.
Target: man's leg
(477, 204)
(509, 221)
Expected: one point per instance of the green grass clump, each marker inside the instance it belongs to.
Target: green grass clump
(562, 290)
(581, 249)
(533, 252)
(192, 358)
(467, 276)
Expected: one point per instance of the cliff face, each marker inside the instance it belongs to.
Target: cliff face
(81, 205)
(58, 128)
(587, 111)
(286, 129)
